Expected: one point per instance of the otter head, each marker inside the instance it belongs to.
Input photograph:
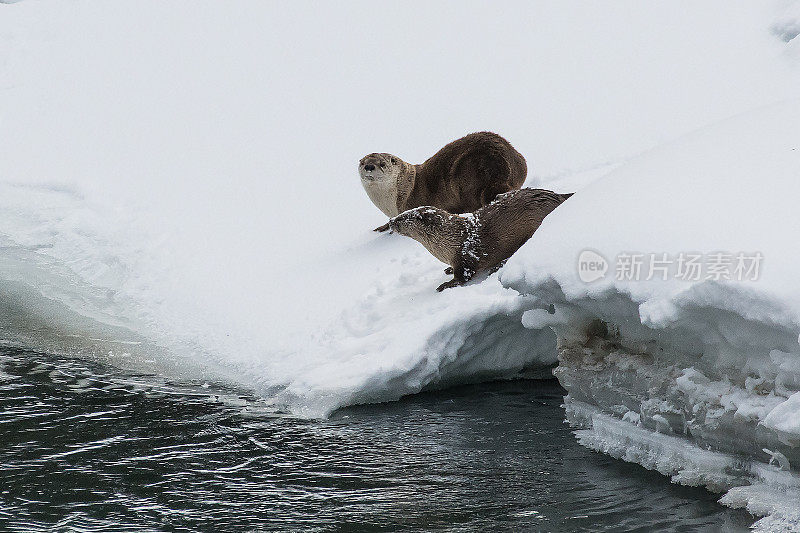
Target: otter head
(436, 229)
(380, 168)
(388, 181)
(419, 221)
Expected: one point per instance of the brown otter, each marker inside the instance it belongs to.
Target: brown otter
(479, 241)
(463, 176)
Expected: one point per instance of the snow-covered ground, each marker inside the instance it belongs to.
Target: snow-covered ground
(682, 357)
(178, 191)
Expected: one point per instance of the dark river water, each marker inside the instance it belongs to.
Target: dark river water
(89, 448)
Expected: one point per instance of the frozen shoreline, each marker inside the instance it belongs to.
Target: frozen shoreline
(697, 379)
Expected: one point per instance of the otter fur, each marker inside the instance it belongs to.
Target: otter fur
(465, 175)
(480, 241)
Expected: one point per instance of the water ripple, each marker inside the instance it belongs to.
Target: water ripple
(86, 448)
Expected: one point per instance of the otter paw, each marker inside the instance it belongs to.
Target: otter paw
(448, 271)
(448, 285)
(381, 229)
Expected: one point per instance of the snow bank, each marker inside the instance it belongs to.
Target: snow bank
(401, 336)
(182, 180)
(712, 363)
(179, 193)
(66, 285)
(77, 277)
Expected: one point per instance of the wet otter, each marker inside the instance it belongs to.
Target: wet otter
(463, 176)
(479, 241)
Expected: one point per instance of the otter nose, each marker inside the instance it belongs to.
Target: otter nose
(369, 167)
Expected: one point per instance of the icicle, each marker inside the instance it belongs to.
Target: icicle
(778, 457)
